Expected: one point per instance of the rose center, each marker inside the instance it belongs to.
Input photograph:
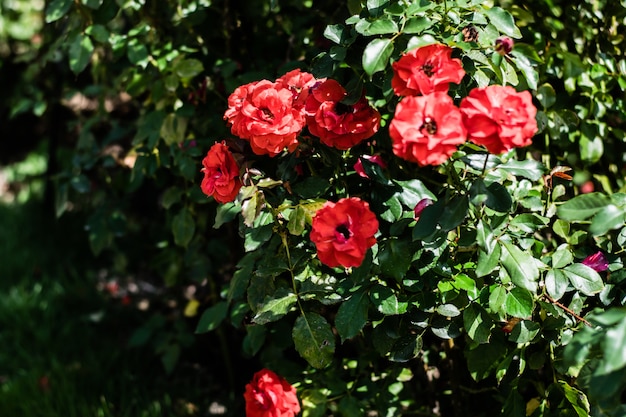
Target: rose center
(429, 125)
(428, 69)
(341, 108)
(263, 400)
(342, 233)
(267, 114)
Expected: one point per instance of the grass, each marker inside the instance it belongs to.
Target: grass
(64, 343)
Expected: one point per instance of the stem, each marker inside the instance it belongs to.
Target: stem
(568, 310)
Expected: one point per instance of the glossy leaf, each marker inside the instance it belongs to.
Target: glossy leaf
(275, 307)
(56, 9)
(520, 266)
(584, 279)
(376, 55)
(503, 21)
(608, 218)
(477, 323)
(583, 206)
(519, 303)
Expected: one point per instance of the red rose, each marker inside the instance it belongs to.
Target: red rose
(425, 70)
(343, 232)
(299, 83)
(270, 395)
(375, 159)
(499, 118)
(263, 113)
(221, 174)
(427, 129)
(337, 124)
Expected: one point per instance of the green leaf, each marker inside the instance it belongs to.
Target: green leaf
(454, 212)
(314, 340)
(546, 95)
(298, 220)
(584, 278)
(413, 191)
(520, 265)
(80, 52)
(212, 317)
(275, 306)
(497, 299)
(583, 206)
(514, 406)
(382, 27)
(477, 323)
(352, 315)
(225, 213)
(335, 33)
(495, 196)
(531, 169)
(386, 301)
(241, 278)
(519, 303)
(527, 69)
(608, 218)
(188, 68)
(483, 358)
(395, 258)
(417, 25)
(556, 283)
(376, 55)
(137, 52)
(448, 310)
(524, 332)
(577, 398)
(254, 339)
(93, 4)
(562, 256)
(57, 9)
(98, 32)
(503, 21)
(405, 348)
(614, 348)
(183, 228)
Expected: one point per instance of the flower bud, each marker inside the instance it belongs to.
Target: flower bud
(419, 207)
(504, 45)
(597, 262)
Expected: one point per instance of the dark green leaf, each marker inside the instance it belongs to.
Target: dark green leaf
(395, 257)
(80, 52)
(614, 349)
(183, 227)
(546, 95)
(483, 359)
(382, 27)
(477, 323)
(386, 301)
(137, 52)
(454, 212)
(576, 398)
(352, 315)
(98, 32)
(314, 340)
(514, 406)
(524, 331)
(520, 266)
(519, 303)
(405, 348)
(412, 192)
(212, 317)
(254, 339)
(376, 55)
(225, 213)
(417, 25)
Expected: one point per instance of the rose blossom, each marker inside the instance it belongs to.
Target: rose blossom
(270, 395)
(263, 113)
(425, 70)
(221, 174)
(597, 262)
(338, 124)
(426, 129)
(499, 118)
(299, 83)
(375, 159)
(343, 232)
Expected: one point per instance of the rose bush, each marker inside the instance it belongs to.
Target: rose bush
(499, 171)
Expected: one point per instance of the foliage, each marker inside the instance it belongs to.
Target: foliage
(483, 302)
